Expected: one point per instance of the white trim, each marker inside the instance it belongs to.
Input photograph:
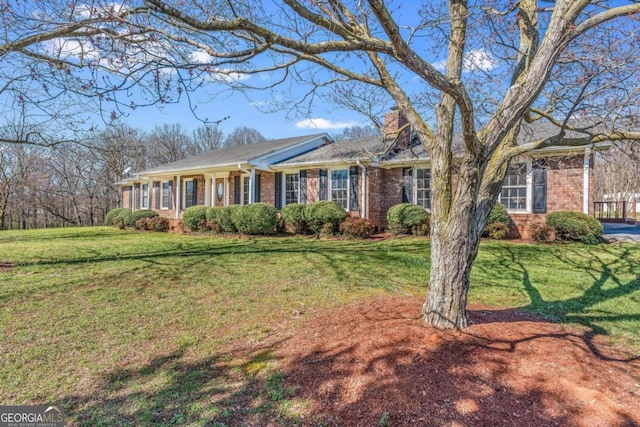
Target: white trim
(252, 184)
(208, 192)
(284, 187)
(184, 193)
(142, 205)
(225, 199)
(585, 181)
(168, 206)
(178, 195)
(528, 186)
(363, 191)
(329, 185)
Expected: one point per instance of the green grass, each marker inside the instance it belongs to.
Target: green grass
(126, 328)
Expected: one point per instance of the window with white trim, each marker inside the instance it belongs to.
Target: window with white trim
(245, 190)
(145, 196)
(291, 188)
(513, 194)
(189, 188)
(339, 187)
(423, 188)
(165, 197)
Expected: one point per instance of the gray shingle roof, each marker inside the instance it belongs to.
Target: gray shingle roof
(229, 155)
(346, 150)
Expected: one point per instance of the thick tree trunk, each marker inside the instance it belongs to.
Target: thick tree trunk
(454, 246)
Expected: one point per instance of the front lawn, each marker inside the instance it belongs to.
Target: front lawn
(128, 328)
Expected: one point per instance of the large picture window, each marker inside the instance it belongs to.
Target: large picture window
(423, 188)
(514, 188)
(292, 188)
(339, 187)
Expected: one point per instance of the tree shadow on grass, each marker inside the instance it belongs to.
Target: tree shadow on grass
(606, 285)
(175, 389)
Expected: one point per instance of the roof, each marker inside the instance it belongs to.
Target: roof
(346, 150)
(231, 155)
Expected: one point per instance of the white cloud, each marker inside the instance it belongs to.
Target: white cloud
(320, 123)
(225, 74)
(477, 59)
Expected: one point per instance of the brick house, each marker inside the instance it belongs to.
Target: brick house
(365, 176)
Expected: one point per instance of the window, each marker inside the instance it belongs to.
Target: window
(291, 188)
(245, 190)
(514, 188)
(189, 193)
(145, 196)
(423, 189)
(165, 202)
(339, 187)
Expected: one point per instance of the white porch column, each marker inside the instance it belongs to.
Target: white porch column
(178, 203)
(252, 183)
(207, 190)
(585, 181)
(226, 191)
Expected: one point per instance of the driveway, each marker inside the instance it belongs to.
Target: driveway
(621, 233)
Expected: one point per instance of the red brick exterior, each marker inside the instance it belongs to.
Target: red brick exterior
(384, 189)
(564, 192)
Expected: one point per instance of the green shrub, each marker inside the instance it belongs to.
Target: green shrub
(498, 230)
(357, 227)
(575, 226)
(224, 218)
(293, 217)
(158, 224)
(254, 219)
(499, 214)
(195, 217)
(542, 233)
(111, 215)
(324, 217)
(407, 218)
(212, 213)
(144, 213)
(124, 218)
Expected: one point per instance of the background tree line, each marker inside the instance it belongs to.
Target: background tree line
(72, 183)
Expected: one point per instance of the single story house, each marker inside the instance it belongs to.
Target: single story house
(365, 176)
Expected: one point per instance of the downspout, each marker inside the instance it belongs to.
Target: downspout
(363, 190)
(585, 181)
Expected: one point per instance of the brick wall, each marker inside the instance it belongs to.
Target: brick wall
(267, 187)
(384, 190)
(564, 193)
(127, 193)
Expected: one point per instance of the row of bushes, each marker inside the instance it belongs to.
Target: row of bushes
(141, 220)
(326, 218)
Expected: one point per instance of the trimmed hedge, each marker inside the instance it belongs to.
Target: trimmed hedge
(223, 216)
(255, 219)
(293, 217)
(145, 213)
(499, 214)
(124, 218)
(155, 223)
(575, 226)
(407, 218)
(324, 217)
(195, 217)
(111, 215)
(498, 230)
(357, 227)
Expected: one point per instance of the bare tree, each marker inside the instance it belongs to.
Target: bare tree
(354, 132)
(207, 137)
(243, 136)
(168, 143)
(482, 68)
(618, 177)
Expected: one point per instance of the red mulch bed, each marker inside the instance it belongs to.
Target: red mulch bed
(374, 360)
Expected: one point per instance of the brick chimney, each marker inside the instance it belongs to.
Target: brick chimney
(393, 121)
